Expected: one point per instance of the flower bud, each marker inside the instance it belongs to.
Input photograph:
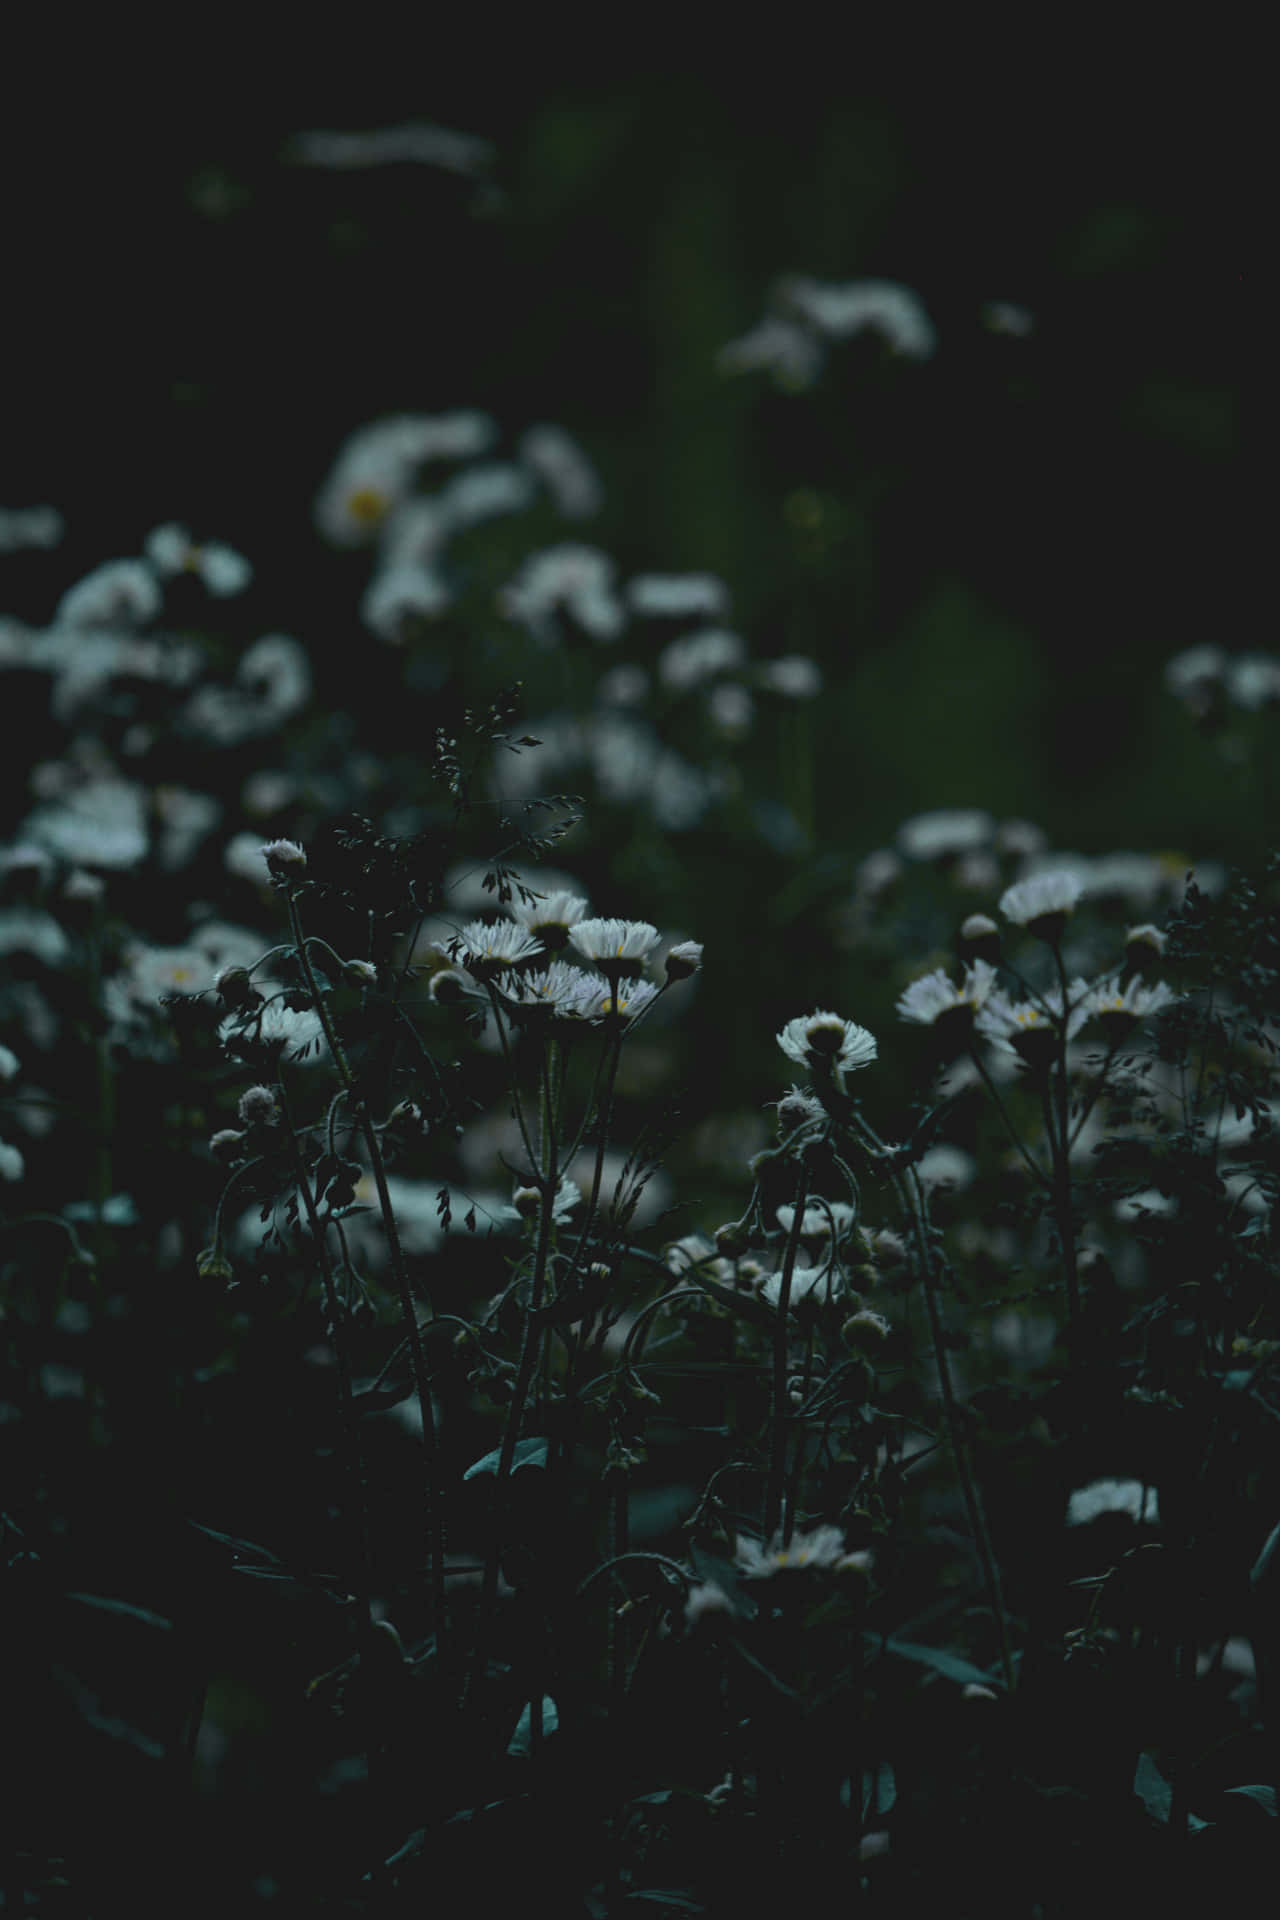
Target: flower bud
(212, 1264)
(227, 1144)
(978, 939)
(731, 1239)
(448, 986)
(527, 1202)
(360, 973)
(234, 988)
(863, 1332)
(684, 960)
(258, 1107)
(285, 859)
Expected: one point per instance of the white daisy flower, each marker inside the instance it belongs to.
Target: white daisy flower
(1112, 1496)
(1118, 1010)
(614, 946)
(822, 1041)
(559, 989)
(811, 1288)
(275, 1029)
(620, 1001)
(823, 1548)
(934, 1001)
(944, 833)
(550, 918)
(818, 1222)
(1030, 1028)
(1042, 904)
(489, 948)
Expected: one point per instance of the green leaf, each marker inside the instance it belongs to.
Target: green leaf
(521, 1743)
(1263, 1797)
(950, 1665)
(528, 1453)
(1154, 1789)
(108, 1605)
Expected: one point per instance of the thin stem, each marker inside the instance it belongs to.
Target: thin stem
(774, 1486)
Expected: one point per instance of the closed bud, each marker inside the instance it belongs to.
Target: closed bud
(978, 939)
(731, 1239)
(360, 973)
(527, 1202)
(285, 860)
(448, 986)
(865, 1331)
(212, 1264)
(235, 989)
(684, 960)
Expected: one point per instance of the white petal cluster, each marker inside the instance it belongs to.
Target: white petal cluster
(934, 994)
(1112, 1496)
(487, 948)
(820, 1040)
(822, 1548)
(552, 916)
(891, 310)
(120, 593)
(1112, 1003)
(1004, 1021)
(575, 579)
(565, 471)
(1043, 894)
(219, 568)
(810, 1287)
(622, 1001)
(606, 943)
(945, 832)
(678, 596)
(696, 657)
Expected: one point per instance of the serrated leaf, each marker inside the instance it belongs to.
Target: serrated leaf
(528, 1453)
(520, 1745)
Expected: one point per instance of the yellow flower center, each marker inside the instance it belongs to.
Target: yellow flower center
(367, 506)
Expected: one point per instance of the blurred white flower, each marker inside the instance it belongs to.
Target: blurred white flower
(482, 493)
(26, 930)
(412, 142)
(564, 470)
(398, 597)
(10, 1065)
(222, 570)
(100, 824)
(696, 657)
(119, 593)
(1118, 1009)
(1004, 316)
(576, 579)
(625, 685)
(1045, 899)
(1112, 1496)
(152, 971)
(949, 830)
(1193, 673)
(678, 596)
(794, 676)
(12, 1164)
(730, 709)
(893, 311)
(947, 1166)
(184, 819)
(788, 351)
(22, 527)
(375, 468)
(1253, 681)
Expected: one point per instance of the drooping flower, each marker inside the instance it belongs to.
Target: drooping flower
(683, 960)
